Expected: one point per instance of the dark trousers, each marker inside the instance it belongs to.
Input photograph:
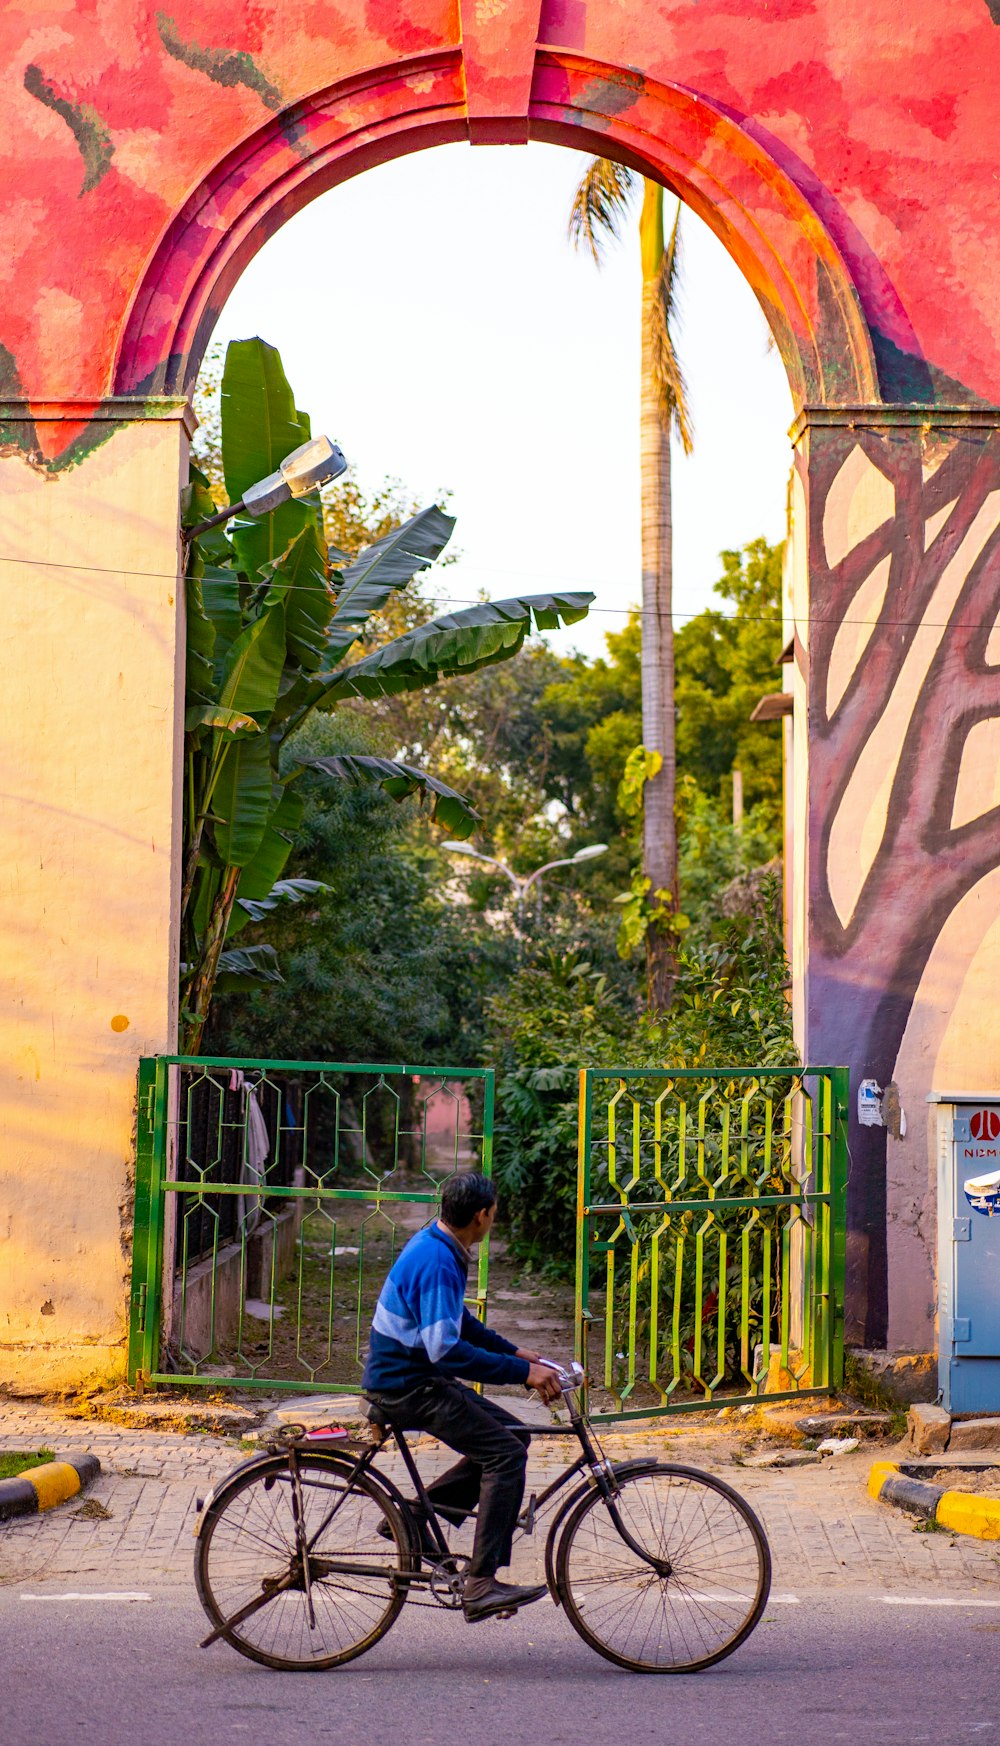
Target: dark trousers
(494, 1450)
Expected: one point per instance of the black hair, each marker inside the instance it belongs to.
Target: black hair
(465, 1194)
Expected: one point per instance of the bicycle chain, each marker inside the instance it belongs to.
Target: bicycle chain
(438, 1575)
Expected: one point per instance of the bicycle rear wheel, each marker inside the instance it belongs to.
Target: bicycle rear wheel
(247, 1557)
(682, 1618)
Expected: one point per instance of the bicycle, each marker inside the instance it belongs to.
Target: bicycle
(307, 1554)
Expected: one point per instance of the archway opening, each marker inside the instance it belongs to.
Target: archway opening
(474, 350)
(433, 316)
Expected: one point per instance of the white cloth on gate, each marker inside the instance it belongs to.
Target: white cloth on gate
(256, 1145)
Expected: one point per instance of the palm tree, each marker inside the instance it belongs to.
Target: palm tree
(603, 200)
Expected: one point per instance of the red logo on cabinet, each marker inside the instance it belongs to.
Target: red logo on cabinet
(985, 1124)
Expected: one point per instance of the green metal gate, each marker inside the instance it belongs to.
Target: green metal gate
(710, 1236)
(271, 1199)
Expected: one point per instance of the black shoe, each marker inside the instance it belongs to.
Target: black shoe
(485, 1597)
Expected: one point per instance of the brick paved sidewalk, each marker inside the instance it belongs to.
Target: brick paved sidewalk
(824, 1529)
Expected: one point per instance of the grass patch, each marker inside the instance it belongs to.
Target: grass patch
(15, 1461)
(864, 1387)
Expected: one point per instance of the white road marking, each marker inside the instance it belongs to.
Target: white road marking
(727, 1597)
(74, 1596)
(933, 1600)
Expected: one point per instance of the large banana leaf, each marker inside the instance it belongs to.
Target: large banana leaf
(400, 780)
(220, 592)
(260, 875)
(210, 715)
(260, 543)
(389, 564)
(260, 424)
(299, 579)
(286, 891)
(200, 671)
(462, 642)
(253, 667)
(245, 967)
(241, 801)
(197, 502)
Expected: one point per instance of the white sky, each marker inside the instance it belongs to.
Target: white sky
(434, 319)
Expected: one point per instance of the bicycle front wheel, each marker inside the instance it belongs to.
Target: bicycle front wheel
(709, 1587)
(296, 1613)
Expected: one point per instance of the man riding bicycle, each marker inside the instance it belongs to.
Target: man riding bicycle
(423, 1340)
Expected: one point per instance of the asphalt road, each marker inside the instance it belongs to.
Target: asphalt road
(819, 1669)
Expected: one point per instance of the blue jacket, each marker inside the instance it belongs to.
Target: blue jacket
(421, 1328)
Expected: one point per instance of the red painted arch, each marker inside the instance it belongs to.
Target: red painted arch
(769, 224)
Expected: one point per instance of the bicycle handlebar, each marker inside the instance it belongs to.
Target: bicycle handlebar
(570, 1376)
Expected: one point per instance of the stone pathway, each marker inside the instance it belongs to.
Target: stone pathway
(824, 1530)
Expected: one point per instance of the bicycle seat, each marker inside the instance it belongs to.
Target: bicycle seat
(382, 1419)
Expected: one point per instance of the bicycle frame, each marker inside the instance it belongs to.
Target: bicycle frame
(306, 1568)
(590, 1459)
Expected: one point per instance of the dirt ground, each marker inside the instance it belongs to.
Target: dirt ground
(983, 1481)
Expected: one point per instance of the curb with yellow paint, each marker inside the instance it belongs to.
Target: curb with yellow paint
(42, 1487)
(963, 1512)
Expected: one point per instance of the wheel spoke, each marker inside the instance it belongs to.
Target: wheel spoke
(719, 1571)
(249, 1540)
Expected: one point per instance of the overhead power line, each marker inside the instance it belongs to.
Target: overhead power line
(774, 618)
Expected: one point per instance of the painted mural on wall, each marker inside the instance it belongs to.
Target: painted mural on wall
(844, 150)
(119, 115)
(903, 656)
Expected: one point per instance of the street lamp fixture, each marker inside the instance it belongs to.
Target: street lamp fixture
(522, 885)
(310, 465)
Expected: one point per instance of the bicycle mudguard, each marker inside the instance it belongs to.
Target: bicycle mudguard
(621, 1469)
(341, 1459)
(553, 1536)
(205, 1503)
(347, 1447)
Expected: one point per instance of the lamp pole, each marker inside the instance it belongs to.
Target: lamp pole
(312, 464)
(523, 883)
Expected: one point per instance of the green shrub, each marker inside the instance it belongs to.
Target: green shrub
(559, 1014)
(556, 1015)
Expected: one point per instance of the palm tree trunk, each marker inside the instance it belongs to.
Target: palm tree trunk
(659, 846)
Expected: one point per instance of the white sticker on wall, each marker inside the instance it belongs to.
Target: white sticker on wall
(869, 1104)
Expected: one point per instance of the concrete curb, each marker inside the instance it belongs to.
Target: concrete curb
(41, 1488)
(963, 1512)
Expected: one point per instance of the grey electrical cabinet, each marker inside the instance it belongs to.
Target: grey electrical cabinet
(968, 1162)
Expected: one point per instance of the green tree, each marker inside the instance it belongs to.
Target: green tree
(604, 198)
(560, 1013)
(378, 966)
(270, 623)
(540, 747)
(726, 661)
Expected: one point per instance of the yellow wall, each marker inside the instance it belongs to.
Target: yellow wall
(91, 735)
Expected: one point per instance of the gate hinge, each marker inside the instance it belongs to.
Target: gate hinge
(150, 1100)
(140, 1310)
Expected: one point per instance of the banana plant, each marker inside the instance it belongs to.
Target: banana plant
(272, 617)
